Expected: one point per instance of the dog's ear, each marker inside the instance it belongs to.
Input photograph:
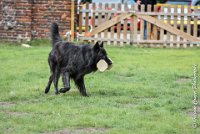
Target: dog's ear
(101, 45)
(96, 47)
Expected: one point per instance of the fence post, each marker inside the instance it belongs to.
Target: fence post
(142, 25)
(125, 24)
(80, 20)
(135, 24)
(72, 19)
(132, 26)
(195, 25)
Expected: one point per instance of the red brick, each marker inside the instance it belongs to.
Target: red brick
(38, 17)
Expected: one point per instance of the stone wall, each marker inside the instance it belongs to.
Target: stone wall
(31, 19)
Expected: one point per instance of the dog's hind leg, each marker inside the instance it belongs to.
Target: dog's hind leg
(49, 84)
(66, 82)
(81, 86)
(52, 67)
(55, 81)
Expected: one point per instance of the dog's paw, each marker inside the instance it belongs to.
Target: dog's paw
(46, 91)
(64, 90)
(57, 93)
(85, 95)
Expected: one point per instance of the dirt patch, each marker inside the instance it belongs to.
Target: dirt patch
(15, 113)
(183, 80)
(89, 130)
(9, 130)
(6, 104)
(191, 111)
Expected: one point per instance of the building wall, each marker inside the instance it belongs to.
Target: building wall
(31, 19)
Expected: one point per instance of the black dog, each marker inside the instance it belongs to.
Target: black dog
(72, 61)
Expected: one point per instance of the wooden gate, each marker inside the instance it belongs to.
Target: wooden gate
(166, 26)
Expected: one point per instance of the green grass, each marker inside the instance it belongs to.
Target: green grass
(148, 91)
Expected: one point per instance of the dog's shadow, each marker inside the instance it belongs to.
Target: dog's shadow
(106, 93)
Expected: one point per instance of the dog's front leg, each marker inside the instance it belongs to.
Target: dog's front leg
(81, 86)
(66, 82)
(49, 84)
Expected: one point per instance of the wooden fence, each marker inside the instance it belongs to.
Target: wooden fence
(165, 26)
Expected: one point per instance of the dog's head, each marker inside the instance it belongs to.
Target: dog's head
(101, 54)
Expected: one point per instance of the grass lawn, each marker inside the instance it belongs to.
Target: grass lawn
(148, 91)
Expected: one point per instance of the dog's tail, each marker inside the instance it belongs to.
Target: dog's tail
(55, 36)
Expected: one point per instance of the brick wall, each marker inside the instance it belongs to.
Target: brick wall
(31, 19)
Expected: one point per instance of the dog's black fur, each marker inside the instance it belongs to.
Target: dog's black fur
(72, 61)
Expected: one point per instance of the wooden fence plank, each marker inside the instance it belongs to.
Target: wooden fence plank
(182, 19)
(195, 23)
(162, 30)
(93, 17)
(106, 19)
(155, 31)
(169, 28)
(87, 18)
(125, 24)
(142, 25)
(112, 28)
(189, 23)
(135, 23)
(72, 20)
(132, 26)
(155, 28)
(182, 23)
(183, 11)
(100, 19)
(195, 30)
(119, 25)
(175, 37)
(80, 21)
(169, 23)
(148, 24)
